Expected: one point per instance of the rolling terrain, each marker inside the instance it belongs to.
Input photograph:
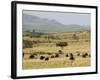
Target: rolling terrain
(50, 44)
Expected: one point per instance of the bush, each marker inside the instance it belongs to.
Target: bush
(62, 44)
(75, 37)
(27, 44)
(49, 53)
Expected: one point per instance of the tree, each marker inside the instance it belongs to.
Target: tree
(28, 31)
(33, 31)
(48, 37)
(75, 37)
(27, 44)
(62, 44)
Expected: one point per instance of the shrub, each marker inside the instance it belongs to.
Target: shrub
(89, 55)
(49, 53)
(62, 44)
(75, 37)
(78, 54)
(27, 44)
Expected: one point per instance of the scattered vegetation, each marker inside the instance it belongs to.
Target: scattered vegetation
(55, 50)
(75, 37)
(62, 44)
(27, 44)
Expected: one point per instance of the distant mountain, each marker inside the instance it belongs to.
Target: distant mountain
(31, 22)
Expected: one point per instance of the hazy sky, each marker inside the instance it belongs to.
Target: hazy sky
(66, 18)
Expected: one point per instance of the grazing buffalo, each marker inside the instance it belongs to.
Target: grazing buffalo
(57, 55)
(85, 55)
(46, 59)
(32, 56)
(67, 55)
(60, 52)
(42, 57)
(52, 56)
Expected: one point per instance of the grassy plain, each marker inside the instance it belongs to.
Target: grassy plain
(45, 46)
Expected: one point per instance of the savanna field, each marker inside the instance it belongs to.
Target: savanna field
(56, 50)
